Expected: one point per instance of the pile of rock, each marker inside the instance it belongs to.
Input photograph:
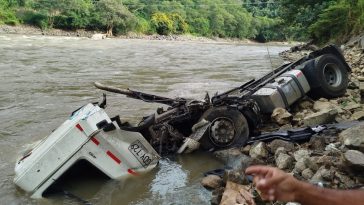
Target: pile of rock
(331, 158)
(32, 30)
(334, 161)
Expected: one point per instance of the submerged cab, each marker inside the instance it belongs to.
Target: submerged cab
(89, 134)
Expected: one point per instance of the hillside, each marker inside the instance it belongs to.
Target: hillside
(262, 20)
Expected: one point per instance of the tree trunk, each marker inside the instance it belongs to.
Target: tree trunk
(109, 31)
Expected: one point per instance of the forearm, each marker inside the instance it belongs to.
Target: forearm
(308, 194)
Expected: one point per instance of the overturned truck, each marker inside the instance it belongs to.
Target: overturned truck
(229, 119)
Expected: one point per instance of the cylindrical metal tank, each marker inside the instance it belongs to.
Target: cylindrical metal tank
(282, 92)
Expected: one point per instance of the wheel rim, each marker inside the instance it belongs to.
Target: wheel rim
(222, 131)
(332, 75)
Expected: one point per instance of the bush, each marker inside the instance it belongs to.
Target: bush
(162, 24)
(7, 13)
(8, 17)
(179, 24)
(33, 18)
(201, 26)
(142, 26)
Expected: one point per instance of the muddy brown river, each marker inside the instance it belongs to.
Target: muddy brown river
(43, 79)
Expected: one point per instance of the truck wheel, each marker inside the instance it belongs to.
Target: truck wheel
(228, 128)
(333, 77)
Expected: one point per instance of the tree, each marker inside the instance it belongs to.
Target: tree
(179, 24)
(111, 13)
(50, 9)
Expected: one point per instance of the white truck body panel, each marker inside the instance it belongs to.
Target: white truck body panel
(116, 153)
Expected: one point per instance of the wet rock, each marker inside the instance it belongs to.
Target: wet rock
(226, 153)
(275, 144)
(281, 116)
(284, 161)
(259, 151)
(359, 115)
(307, 174)
(354, 161)
(353, 137)
(236, 176)
(301, 154)
(236, 194)
(322, 117)
(234, 158)
(211, 182)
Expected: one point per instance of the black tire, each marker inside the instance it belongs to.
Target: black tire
(332, 76)
(220, 116)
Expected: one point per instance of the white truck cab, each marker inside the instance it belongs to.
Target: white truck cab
(89, 134)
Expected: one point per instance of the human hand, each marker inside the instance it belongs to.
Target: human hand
(274, 184)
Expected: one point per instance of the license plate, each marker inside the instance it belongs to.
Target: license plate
(140, 153)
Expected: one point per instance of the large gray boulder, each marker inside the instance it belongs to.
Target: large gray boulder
(353, 137)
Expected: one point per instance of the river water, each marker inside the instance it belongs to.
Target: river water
(43, 79)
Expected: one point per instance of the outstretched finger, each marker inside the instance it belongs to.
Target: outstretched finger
(258, 170)
(269, 182)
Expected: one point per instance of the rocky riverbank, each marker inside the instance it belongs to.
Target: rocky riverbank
(31, 30)
(333, 158)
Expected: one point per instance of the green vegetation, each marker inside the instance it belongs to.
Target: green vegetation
(263, 20)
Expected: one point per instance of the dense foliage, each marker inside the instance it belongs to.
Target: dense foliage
(322, 20)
